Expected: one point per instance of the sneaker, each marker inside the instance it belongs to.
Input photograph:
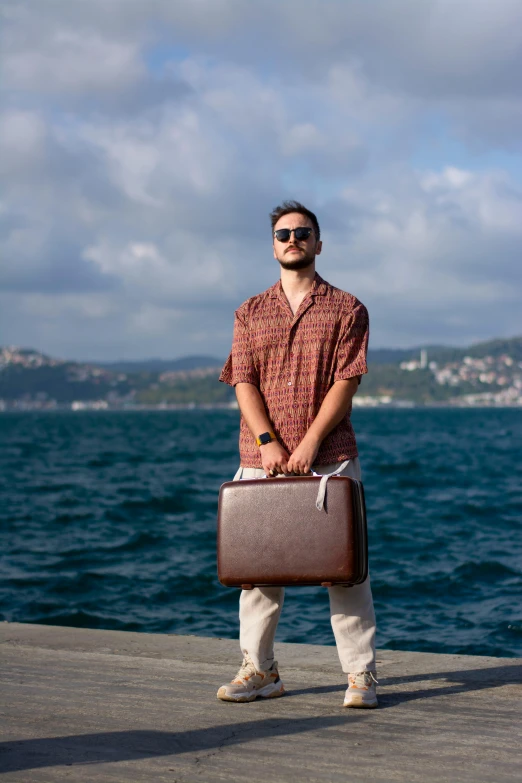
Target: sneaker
(361, 690)
(248, 684)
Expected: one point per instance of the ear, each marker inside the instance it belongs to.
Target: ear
(318, 248)
(275, 256)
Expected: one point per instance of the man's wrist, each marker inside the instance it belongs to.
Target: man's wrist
(265, 438)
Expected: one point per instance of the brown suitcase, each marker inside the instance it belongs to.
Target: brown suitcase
(271, 533)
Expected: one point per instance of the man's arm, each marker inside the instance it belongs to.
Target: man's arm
(332, 411)
(273, 456)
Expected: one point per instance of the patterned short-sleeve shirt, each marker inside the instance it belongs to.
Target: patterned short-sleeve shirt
(294, 360)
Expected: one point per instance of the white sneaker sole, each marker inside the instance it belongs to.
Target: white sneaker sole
(271, 691)
(358, 702)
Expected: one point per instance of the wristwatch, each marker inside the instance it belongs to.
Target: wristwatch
(264, 438)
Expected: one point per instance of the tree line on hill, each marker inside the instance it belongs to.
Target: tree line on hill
(180, 381)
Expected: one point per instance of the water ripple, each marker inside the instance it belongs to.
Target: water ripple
(108, 521)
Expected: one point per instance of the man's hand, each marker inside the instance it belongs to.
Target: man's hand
(303, 457)
(274, 458)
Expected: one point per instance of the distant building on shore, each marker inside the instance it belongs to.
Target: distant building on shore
(422, 364)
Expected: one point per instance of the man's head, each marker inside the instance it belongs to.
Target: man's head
(295, 251)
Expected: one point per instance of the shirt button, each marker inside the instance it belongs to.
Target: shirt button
(289, 383)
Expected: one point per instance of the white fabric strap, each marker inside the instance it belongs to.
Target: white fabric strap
(321, 495)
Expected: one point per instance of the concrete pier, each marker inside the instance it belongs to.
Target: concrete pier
(82, 705)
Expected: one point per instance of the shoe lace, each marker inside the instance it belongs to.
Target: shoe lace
(246, 670)
(362, 679)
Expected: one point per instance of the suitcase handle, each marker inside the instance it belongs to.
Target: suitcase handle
(321, 493)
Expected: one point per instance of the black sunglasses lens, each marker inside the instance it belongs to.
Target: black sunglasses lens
(284, 234)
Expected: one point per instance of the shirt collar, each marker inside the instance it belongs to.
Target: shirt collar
(319, 288)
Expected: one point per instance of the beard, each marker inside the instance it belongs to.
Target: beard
(300, 263)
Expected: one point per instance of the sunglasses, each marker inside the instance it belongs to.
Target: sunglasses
(284, 234)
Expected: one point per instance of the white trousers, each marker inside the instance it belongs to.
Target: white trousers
(351, 609)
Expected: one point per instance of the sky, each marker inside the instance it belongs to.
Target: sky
(143, 144)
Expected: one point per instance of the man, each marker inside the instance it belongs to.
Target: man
(298, 353)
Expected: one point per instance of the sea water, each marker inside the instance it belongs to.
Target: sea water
(108, 520)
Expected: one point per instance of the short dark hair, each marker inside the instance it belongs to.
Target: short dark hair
(287, 208)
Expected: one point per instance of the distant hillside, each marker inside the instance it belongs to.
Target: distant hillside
(394, 355)
(489, 370)
(163, 365)
(30, 379)
(511, 346)
(64, 382)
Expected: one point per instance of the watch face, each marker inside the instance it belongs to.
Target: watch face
(265, 438)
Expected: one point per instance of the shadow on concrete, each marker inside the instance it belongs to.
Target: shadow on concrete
(115, 746)
(464, 681)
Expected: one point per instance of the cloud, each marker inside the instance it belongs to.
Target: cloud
(434, 257)
(140, 154)
(184, 271)
(41, 54)
(74, 63)
(22, 135)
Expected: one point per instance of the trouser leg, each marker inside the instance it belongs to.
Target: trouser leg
(351, 610)
(259, 611)
(353, 623)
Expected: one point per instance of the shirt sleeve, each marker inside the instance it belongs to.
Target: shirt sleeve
(353, 345)
(240, 367)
